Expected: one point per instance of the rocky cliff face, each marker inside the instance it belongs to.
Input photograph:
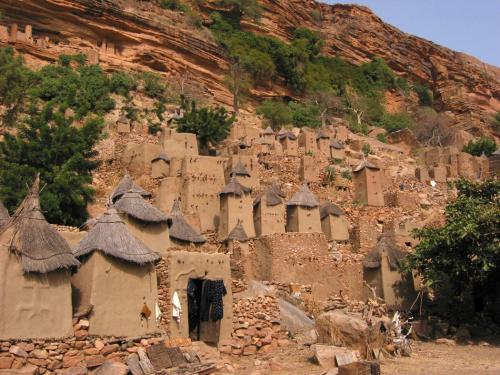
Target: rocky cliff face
(137, 35)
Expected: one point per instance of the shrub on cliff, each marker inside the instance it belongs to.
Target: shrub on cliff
(211, 125)
(47, 143)
(122, 83)
(482, 145)
(465, 253)
(176, 5)
(395, 121)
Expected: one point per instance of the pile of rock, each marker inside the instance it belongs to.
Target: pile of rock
(370, 307)
(257, 327)
(53, 357)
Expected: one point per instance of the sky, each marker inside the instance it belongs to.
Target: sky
(470, 26)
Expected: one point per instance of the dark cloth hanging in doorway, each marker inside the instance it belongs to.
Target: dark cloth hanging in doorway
(212, 306)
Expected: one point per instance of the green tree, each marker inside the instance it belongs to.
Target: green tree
(465, 253)
(122, 83)
(238, 83)
(211, 125)
(276, 113)
(482, 145)
(15, 79)
(63, 155)
(395, 121)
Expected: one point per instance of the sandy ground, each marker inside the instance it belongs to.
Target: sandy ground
(427, 359)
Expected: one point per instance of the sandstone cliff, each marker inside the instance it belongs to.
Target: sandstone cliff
(137, 35)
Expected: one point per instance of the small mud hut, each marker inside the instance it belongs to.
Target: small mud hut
(181, 232)
(303, 212)
(241, 173)
(35, 289)
(146, 222)
(382, 271)
(126, 184)
(337, 149)
(269, 211)
(368, 184)
(323, 142)
(333, 222)
(268, 135)
(235, 204)
(117, 280)
(289, 142)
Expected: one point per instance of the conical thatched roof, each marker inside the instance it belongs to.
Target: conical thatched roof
(235, 188)
(40, 246)
(336, 144)
(268, 131)
(321, 134)
(161, 156)
(386, 243)
(4, 214)
(273, 196)
(180, 229)
(133, 204)
(365, 164)
(287, 134)
(111, 236)
(238, 233)
(304, 198)
(240, 170)
(328, 208)
(126, 184)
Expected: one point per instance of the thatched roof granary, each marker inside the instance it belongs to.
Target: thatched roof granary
(303, 198)
(180, 230)
(333, 223)
(126, 184)
(34, 279)
(235, 188)
(328, 208)
(117, 279)
(238, 233)
(111, 236)
(133, 204)
(273, 196)
(240, 170)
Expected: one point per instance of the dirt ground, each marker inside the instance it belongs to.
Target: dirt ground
(427, 359)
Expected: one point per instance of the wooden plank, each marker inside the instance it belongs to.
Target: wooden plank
(176, 356)
(133, 365)
(145, 363)
(159, 356)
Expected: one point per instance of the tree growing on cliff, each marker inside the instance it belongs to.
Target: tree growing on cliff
(63, 155)
(465, 252)
(483, 145)
(211, 125)
(238, 82)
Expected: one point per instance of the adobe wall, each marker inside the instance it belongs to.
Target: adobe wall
(72, 238)
(251, 164)
(269, 219)
(366, 232)
(137, 158)
(324, 146)
(32, 305)
(203, 180)
(168, 192)
(246, 133)
(368, 187)
(182, 266)
(303, 219)
(153, 235)
(178, 144)
(308, 169)
(159, 169)
(336, 228)
(232, 209)
(336, 153)
(290, 147)
(307, 140)
(398, 292)
(117, 290)
(303, 258)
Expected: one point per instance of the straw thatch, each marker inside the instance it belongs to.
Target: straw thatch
(238, 233)
(394, 254)
(111, 236)
(268, 131)
(328, 208)
(180, 229)
(89, 224)
(365, 164)
(161, 156)
(273, 195)
(133, 204)
(321, 134)
(40, 246)
(336, 144)
(240, 170)
(4, 215)
(126, 184)
(304, 198)
(287, 134)
(235, 188)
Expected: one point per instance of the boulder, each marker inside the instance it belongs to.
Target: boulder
(341, 329)
(111, 367)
